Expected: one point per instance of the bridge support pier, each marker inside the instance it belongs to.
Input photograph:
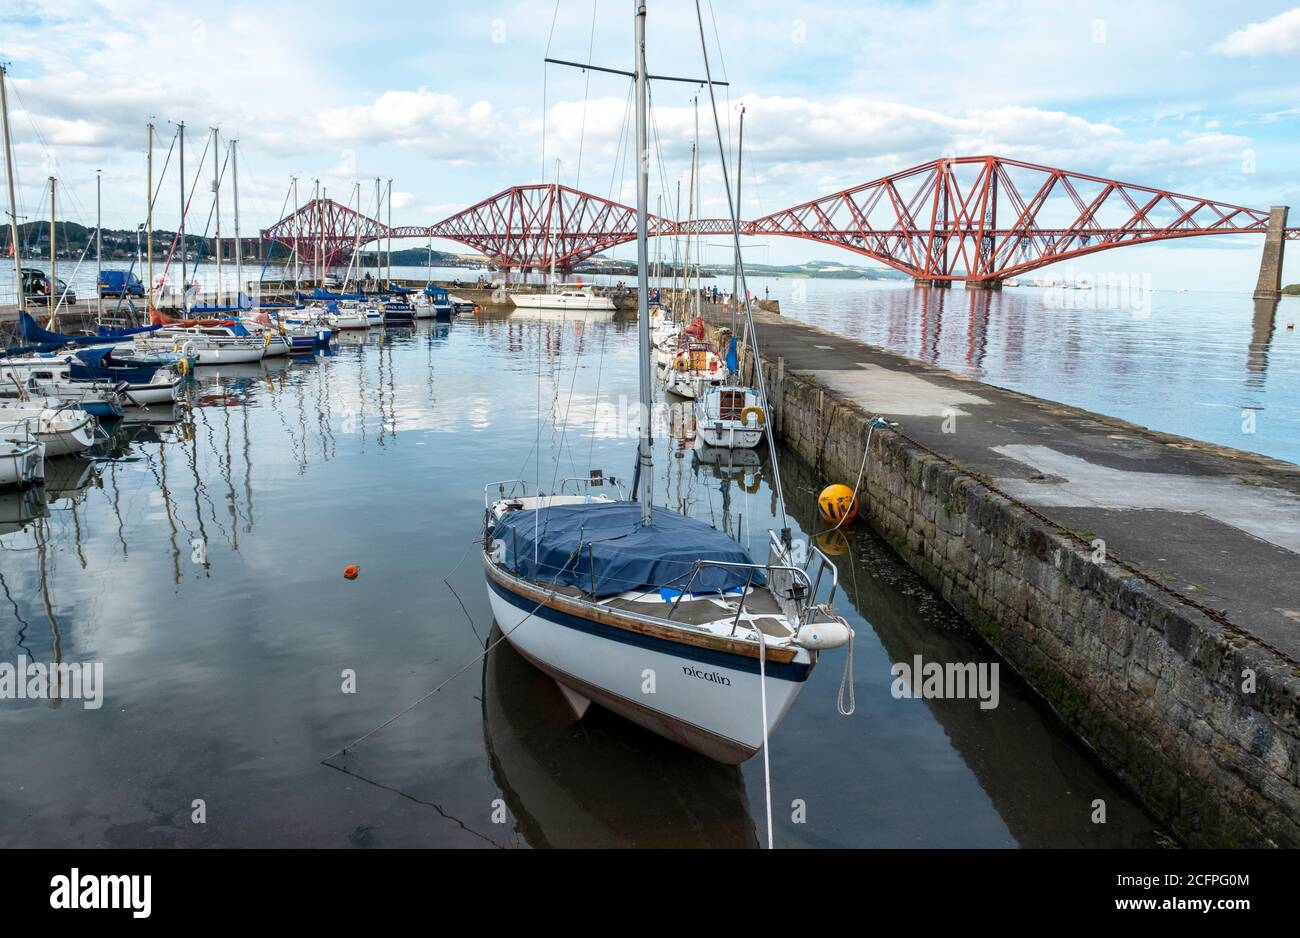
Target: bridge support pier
(932, 282)
(1269, 286)
(983, 284)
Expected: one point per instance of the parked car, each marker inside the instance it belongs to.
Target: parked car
(36, 287)
(119, 283)
(332, 282)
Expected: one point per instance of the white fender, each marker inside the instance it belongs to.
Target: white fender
(823, 635)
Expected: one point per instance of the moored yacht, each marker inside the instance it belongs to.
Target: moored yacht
(582, 299)
(652, 614)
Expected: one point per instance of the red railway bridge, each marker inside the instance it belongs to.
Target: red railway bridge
(978, 219)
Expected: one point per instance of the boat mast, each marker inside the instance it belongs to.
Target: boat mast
(216, 202)
(389, 277)
(239, 257)
(735, 271)
(297, 229)
(356, 246)
(148, 214)
(53, 286)
(185, 302)
(645, 461)
(13, 199)
(99, 245)
(379, 207)
(317, 270)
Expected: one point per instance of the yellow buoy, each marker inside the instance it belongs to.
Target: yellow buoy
(838, 504)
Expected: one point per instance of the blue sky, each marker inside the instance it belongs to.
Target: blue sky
(451, 101)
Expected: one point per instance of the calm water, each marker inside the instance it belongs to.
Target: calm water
(199, 559)
(1210, 366)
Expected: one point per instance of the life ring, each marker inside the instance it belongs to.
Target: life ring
(760, 418)
(682, 363)
(183, 367)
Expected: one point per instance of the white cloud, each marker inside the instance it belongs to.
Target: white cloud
(1277, 36)
(438, 123)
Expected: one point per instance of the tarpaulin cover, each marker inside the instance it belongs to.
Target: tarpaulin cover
(107, 333)
(33, 334)
(603, 549)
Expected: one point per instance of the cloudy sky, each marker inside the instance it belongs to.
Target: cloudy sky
(454, 103)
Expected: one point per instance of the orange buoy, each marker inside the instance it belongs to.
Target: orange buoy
(838, 504)
(351, 572)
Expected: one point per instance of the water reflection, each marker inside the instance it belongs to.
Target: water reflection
(1261, 338)
(1170, 361)
(203, 549)
(603, 782)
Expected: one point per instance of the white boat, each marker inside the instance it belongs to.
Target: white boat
(22, 457)
(163, 388)
(698, 630)
(654, 615)
(729, 416)
(64, 431)
(693, 370)
(569, 299)
(206, 345)
(276, 342)
(43, 376)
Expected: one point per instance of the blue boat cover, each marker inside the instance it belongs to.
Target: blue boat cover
(319, 294)
(125, 333)
(33, 334)
(94, 357)
(603, 549)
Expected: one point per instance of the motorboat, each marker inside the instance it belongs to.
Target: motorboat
(581, 299)
(729, 416)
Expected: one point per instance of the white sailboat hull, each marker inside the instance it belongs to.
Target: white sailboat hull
(21, 463)
(595, 304)
(699, 700)
(63, 432)
(726, 435)
(142, 395)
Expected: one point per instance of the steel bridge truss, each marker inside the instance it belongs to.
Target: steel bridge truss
(979, 219)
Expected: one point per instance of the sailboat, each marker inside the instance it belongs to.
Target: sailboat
(656, 616)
